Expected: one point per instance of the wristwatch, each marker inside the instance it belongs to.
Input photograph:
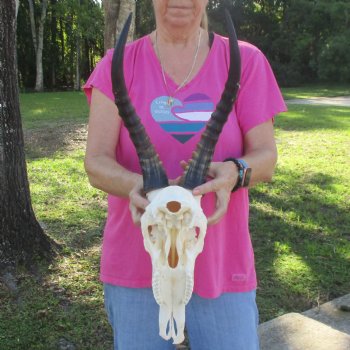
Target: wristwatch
(244, 173)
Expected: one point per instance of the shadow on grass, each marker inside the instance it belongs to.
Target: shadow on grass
(51, 315)
(302, 117)
(75, 237)
(301, 242)
(61, 137)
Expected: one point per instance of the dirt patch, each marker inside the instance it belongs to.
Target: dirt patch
(45, 142)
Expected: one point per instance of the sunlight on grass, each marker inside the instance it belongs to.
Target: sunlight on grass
(304, 213)
(77, 274)
(60, 183)
(42, 109)
(38, 111)
(292, 270)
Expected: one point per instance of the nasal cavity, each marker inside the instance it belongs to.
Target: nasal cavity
(173, 206)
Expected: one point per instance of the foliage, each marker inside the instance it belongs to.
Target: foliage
(144, 21)
(71, 26)
(305, 40)
(333, 59)
(297, 36)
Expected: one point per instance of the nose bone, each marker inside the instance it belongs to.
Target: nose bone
(173, 257)
(173, 206)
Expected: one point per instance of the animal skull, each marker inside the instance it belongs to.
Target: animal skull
(173, 228)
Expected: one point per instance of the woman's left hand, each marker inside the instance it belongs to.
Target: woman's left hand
(224, 177)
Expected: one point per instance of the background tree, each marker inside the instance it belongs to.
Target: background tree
(21, 237)
(73, 43)
(38, 40)
(116, 12)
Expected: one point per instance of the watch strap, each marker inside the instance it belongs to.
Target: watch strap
(242, 167)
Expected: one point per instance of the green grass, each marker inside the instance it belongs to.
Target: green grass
(63, 301)
(329, 90)
(46, 109)
(299, 224)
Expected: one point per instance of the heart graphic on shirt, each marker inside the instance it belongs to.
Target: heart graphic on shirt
(184, 119)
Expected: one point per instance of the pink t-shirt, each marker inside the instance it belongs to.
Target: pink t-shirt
(227, 261)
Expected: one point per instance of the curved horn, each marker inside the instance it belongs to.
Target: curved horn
(198, 166)
(154, 175)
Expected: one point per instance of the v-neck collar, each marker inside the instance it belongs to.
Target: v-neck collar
(171, 83)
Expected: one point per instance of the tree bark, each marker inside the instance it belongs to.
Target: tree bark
(78, 52)
(77, 64)
(32, 24)
(22, 240)
(70, 33)
(38, 41)
(116, 12)
(62, 50)
(126, 6)
(54, 48)
(17, 6)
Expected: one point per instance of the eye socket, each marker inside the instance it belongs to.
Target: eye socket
(173, 206)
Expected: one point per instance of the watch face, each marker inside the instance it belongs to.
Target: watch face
(246, 177)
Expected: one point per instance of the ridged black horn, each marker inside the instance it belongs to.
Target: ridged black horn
(198, 166)
(154, 176)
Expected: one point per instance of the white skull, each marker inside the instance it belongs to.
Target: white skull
(173, 228)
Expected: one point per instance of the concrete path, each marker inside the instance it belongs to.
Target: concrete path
(330, 101)
(323, 328)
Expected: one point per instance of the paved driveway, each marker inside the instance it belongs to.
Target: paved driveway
(331, 101)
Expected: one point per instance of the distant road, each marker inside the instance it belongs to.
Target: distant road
(331, 101)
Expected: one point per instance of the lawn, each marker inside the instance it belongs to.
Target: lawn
(50, 109)
(299, 223)
(316, 91)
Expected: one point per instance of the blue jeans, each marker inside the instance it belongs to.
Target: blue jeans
(228, 322)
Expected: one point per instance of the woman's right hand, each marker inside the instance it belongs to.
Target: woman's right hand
(138, 202)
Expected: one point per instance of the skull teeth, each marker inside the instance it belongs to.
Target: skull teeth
(156, 287)
(188, 288)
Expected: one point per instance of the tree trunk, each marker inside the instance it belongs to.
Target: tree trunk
(54, 49)
(38, 41)
(77, 64)
(116, 12)
(39, 85)
(126, 6)
(63, 48)
(32, 24)
(69, 31)
(22, 240)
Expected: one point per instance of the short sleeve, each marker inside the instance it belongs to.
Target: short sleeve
(100, 78)
(259, 98)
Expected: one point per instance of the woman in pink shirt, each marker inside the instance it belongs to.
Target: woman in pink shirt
(174, 77)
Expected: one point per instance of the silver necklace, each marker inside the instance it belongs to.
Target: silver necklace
(171, 96)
